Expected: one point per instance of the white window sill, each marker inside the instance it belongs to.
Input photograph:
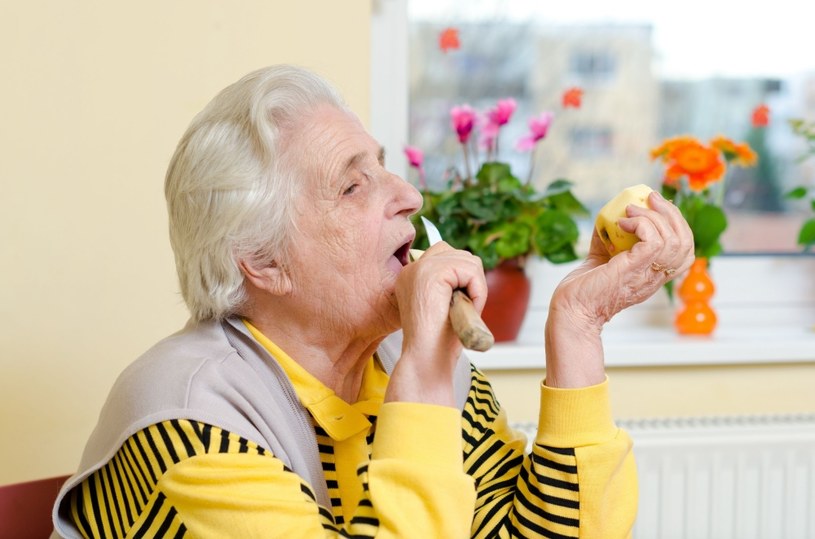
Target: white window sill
(765, 306)
(649, 347)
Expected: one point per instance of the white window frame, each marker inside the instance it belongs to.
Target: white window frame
(389, 80)
(766, 304)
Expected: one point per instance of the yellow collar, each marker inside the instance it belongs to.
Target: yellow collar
(339, 419)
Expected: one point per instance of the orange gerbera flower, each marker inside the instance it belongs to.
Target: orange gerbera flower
(739, 153)
(701, 164)
(745, 156)
(724, 145)
(663, 150)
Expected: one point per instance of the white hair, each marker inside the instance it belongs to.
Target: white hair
(230, 185)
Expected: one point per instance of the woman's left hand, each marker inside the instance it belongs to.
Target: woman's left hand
(603, 286)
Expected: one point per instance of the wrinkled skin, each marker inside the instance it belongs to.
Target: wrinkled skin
(602, 286)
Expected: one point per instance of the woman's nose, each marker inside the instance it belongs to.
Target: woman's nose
(407, 199)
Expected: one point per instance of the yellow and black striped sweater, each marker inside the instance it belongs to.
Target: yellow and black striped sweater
(182, 478)
(384, 470)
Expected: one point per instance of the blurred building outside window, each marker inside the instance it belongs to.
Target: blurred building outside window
(647, 73)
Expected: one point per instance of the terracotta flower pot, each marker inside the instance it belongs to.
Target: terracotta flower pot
(509, 290)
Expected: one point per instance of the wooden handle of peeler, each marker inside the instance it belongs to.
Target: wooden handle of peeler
(470, 328)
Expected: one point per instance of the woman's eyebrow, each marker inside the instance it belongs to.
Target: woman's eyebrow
(357, 157)
(353, 161)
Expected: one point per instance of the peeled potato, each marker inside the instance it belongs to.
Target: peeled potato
(613, 237)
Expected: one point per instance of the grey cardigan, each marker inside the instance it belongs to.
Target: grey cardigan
(217, 373)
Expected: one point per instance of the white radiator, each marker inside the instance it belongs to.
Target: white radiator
(725, 477)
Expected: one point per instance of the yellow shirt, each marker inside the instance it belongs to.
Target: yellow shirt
(429, 471)
(345, 426)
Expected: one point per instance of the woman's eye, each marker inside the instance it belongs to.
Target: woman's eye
(350, 189)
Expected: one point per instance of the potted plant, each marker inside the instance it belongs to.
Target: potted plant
(805, 130)
(497, 216)
(694, 175)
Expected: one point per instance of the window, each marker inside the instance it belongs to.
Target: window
(773, 321)
(648, 73)
(590, 142)
(592, 66)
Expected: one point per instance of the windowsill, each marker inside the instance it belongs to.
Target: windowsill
(765, 307)
(653, 347)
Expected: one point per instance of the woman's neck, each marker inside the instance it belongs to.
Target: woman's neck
(332, 355)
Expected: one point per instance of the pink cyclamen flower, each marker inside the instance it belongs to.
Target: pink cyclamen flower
(415, 157)
(538, 127)
(488, 132)
(463, 119)
(502, 111)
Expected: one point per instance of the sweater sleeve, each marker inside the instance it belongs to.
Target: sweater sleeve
(181, 478)
(578, 481)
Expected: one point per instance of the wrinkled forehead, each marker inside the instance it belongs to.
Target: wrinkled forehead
(325, 143)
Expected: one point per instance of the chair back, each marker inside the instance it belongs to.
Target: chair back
(25, 508)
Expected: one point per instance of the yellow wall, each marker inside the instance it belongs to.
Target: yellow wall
(779, 388)
(95, 95)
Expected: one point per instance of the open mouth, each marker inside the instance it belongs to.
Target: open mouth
(402, 254)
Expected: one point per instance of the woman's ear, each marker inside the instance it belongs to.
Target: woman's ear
(271, 278)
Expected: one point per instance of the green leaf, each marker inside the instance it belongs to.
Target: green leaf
(486, 251)
(669, 289)
(554, 230)
(668, 192)
(797, 193)
(446, 205)
(708, 224)
(798, 125)
(806, 236)
(557, 187)
(568, 203)
(480, 207)
(708, 251)
(507, 208)
(491, 173)
(512, 240)
(562, 255)
(508, 184)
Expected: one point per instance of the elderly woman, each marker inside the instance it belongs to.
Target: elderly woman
(318, 389)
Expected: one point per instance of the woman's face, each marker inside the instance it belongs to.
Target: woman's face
(352, 225)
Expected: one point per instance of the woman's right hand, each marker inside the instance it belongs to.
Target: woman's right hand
(431, 348)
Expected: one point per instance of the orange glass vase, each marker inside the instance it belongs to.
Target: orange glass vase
(696, 317)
